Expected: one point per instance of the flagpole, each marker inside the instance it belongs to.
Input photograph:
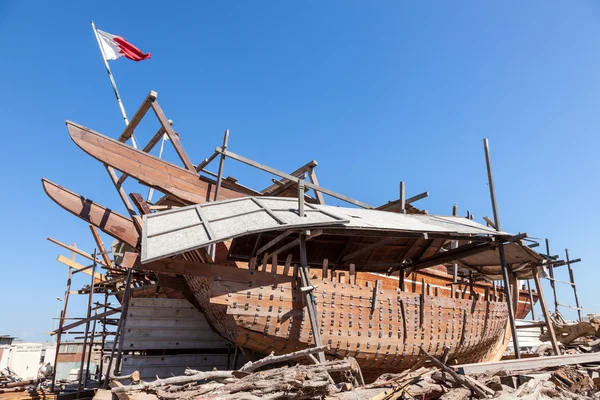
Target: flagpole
(113, 83)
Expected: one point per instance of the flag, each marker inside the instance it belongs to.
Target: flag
(114, 47)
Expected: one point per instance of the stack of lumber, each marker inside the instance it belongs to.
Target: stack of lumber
(10, 394)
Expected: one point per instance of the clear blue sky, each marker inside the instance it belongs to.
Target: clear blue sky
(401, 91)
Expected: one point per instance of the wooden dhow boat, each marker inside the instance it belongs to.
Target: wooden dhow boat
(294, 272)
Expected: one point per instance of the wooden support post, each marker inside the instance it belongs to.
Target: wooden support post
(61, 322)
(352, 274)
(511, 313)
(324, 269)
(401, 280)
(531, 303)
(120, 329)
(82, 376)
(308, 297)
(274, 264)
(89, 354)
(551, 273)
(221, 165)
(402, 198)
(288, 262)
(549, 325)
(573, 285)
(100, 381)
(301, 197)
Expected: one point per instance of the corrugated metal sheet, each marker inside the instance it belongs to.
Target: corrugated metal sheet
(168, 324)
(175, 231)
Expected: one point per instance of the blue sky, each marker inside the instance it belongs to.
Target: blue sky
(377, 94)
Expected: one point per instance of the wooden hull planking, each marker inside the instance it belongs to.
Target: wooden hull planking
(110, 222)
(263, 311)
(146, 168)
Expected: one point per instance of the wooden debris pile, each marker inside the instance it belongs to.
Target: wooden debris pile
(300, 381)
(342, 380)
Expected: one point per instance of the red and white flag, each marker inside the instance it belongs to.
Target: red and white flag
(114, 47)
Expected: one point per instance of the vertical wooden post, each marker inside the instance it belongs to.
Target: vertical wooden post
(100, 381)
(402, 198)
(308, 297)
(120, 328)
(551, 273)
(531, 303)
(301, 197)
(221, 165)
(501, 254)
(549, 325)
(81, 374)
(61, 323)
(573, 285)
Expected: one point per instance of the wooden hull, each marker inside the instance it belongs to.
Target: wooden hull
(110, 222)
(152, 171)
(263, 311)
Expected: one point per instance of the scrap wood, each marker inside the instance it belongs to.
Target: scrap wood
(457, 377)
(200, 376)
(272, 359)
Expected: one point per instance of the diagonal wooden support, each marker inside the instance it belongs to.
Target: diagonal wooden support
(137, 117)
(172, 136)
(538, 286)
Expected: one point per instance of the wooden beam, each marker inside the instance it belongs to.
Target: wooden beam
(460, 252)
(366, 249)
(206, 161)
(295, 243)
(535, 363)
(137, 117)
(417, 197)
(172, 136)
(78, 267)
(101, 247)
(78, 251)
(311, 164)
(276, 240)
(273, 171)
(84, 320)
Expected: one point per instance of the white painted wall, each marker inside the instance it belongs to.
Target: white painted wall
(24, 358)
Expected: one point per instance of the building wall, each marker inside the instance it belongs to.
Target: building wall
(24, 359)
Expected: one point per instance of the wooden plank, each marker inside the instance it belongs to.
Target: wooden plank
(536, 363)
(173, 136)
(290, 177)
(108, 221)
(137, 117)
(78, 267)
(78, 251)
